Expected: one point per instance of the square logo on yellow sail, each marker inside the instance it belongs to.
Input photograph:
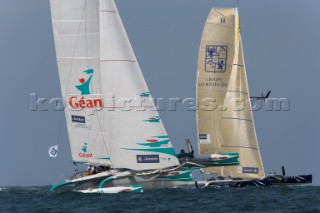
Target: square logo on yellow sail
(216, 58)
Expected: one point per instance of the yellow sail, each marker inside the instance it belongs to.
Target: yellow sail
(225, 121)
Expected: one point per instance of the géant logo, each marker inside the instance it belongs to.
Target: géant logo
(84, 153)
(85, 102)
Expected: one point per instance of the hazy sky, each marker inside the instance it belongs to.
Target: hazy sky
(281, 47)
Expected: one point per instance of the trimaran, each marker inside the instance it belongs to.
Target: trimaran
(112, 121)
(98, 71)
(224, 118)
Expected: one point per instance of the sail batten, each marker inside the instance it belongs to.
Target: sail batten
(228, 127)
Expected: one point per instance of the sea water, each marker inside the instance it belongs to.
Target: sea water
(250, 199)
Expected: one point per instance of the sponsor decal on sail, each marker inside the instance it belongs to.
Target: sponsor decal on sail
(80, 121)
(84, 153)
(155, 143)
(216, 58)
(248, 170)
(204, 139)
(86, 100)
(84, 85)
(148, 159)
(145, 94)
(83, 103)
(155, 119)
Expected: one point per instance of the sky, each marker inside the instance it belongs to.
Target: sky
(281, 49)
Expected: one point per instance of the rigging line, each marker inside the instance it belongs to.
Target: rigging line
(159, 171)
(74, 52)
(103, 139)
(87, 60)
(85, 33)
(89, 131)
(100, 86)
(91, 30)
(99, 80)
(95, 7)
(60, 128)
(70, 70)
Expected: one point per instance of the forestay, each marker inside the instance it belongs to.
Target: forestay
(224, 119)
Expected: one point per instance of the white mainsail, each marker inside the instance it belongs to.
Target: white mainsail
(224, 119)
(97, 64)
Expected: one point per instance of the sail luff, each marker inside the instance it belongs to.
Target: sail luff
(261, 166)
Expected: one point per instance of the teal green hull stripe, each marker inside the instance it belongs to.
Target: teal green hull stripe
(137, 190)
(230, 153)
(53, 188)
(105, 180)
(184, 176)
(104, 158)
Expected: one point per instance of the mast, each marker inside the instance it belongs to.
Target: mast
(224, 119)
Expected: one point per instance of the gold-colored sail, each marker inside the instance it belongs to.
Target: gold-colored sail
(225, 120)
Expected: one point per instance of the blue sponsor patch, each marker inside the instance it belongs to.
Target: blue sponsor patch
(78, 119)
(203, 137)
(250, 170)
(148, 159)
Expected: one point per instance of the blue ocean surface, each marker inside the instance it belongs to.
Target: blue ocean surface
(250, 199)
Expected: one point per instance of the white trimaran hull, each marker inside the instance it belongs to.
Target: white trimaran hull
(114, 182)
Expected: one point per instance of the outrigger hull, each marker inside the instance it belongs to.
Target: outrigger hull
(290, 180)
(128, 183)
(229, 183)
(138, 188)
